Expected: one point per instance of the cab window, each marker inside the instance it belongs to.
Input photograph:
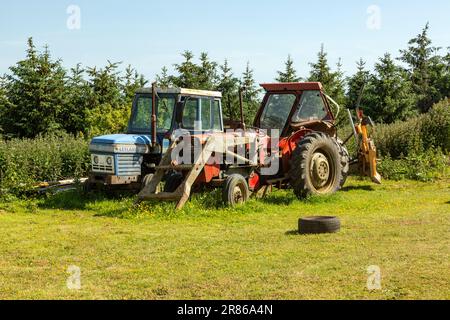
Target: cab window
(311, 107)
(276, 111)
(201, 114)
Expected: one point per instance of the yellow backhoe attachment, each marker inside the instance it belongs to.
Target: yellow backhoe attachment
(367, 153)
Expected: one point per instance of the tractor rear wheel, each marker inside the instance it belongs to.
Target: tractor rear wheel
(316, 167)
(235, 190)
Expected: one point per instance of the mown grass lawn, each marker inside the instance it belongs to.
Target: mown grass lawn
(210, 252)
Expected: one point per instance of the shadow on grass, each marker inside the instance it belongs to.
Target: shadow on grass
(352, 188)
(279, 199)
(292, 233)
(77, 199)
(448, 202)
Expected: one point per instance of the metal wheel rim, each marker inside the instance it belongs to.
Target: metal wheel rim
(322, 171)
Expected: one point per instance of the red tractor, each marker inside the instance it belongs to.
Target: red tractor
(293, 143)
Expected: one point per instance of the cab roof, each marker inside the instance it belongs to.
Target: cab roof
(292, 86)
(183, 91)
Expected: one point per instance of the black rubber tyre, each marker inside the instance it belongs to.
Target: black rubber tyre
(317, 225)
(146, 180)
(235, 190)
(173, 181)
(316, 167)
(87, 186)
(345, 161)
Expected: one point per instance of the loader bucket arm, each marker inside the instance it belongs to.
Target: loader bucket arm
(367, 151)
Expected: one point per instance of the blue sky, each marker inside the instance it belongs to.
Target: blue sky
(150, 34)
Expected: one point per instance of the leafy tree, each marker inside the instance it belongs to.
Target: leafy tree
(4, 103)
(250, 94)
(392, 96)
(228, 85)
(289, 74)
(36, 92)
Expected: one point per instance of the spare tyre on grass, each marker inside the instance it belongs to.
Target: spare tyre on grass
(318, 224)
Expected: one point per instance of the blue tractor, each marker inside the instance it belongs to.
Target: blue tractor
(128, 161)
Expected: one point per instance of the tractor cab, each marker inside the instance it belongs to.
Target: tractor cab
(126, 159)
(290, 106)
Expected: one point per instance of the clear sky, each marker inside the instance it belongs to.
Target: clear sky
(150, 34)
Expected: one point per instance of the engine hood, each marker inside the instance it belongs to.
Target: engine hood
(123, 139)
(124, 143)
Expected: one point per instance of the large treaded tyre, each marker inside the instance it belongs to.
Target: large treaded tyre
(317, 225)
(316, 167)
(235, 190)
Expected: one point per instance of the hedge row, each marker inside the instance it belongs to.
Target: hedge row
(25, 162)
(427, 132)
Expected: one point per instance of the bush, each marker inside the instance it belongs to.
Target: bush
(26, 162)
(419, 134)
(427, 166)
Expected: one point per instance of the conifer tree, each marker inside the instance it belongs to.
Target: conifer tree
(36, 92)
(250, 94)
(163, 80)
(289, 74)
(228, 85)
(392, 96)
(207, 73)
(418, 59)
(187, 72)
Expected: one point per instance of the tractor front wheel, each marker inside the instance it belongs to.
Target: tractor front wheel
(235, 190)
(316, 167)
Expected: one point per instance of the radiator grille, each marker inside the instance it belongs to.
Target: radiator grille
(128, 165)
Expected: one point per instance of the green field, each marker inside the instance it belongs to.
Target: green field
(210, 252)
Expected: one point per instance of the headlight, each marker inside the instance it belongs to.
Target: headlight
(96, 160)
(109, 161)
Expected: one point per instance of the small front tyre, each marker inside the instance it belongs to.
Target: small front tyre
(235, 190)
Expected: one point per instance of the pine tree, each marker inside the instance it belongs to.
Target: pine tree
(36, 92)
(391, 91)
(207, 73)
(250, 94)
(356, 83)
(187, 72)
(105, 85)
(289, 74)
(133, 81)
(72, 116)
(228, 85)
(321, 71)
(163, 80)
(337, 87)
(418, 59)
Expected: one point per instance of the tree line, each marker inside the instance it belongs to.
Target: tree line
(40, 96)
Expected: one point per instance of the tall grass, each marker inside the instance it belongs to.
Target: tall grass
(25, 162)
